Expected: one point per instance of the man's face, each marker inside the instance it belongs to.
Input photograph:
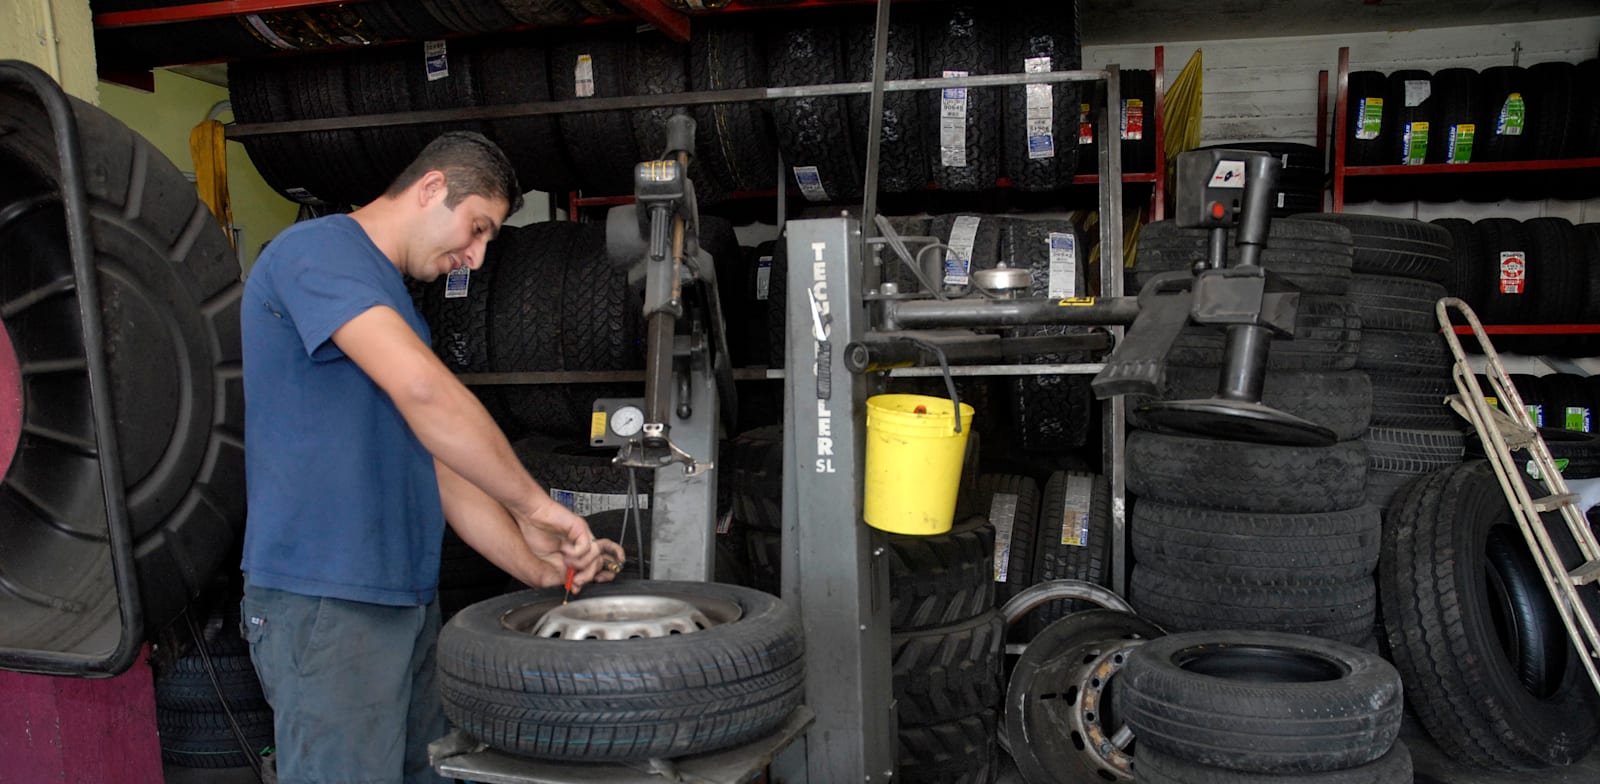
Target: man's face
(452, 238)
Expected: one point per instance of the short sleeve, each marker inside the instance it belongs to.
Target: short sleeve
(323, 293)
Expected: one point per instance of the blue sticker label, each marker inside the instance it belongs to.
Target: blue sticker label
(455, 284)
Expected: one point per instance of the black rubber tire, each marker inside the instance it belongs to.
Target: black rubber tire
(1258, 477)
(1382, 486)
(1536, 644)
(1138, 150)
(256, 92)
(533, 144)
(470, 16)
(459, 90)
(316, 89)
(376, 80)
(962, 37)
(954, 752)
(1040, 698)
(575, 468)
(1453, 104)
(1260, 702)
(1074, 539)
(602, 141)
(206, 740)
(736, 140)
(902, 156)
(1566, 401)
(1035, 29)
(948, 672)
(1394, 246)
(1391, 302)
(1342, 611)
(169, 301)
(1316, 257)
(622, 699)
(1557, 280)
(1441, 628)
(813, 133)
(1496, 236)
(1362, 86)
(1386, 352)
(1398, 118)
(943, 579)
(1340, 400)
(1413, 402)
(545, 13)
(1412, 451)
(1054, 412)
(400, 20)
(660, 66)
(1155, 767)
(1254, 547)
(1551, 121)
(187, 686)
(1460, 281)
(1011, 503)
(462, 327)
(602, 319)
(1496, 86)
(1327, 336)
(754, 465)
(525, 325)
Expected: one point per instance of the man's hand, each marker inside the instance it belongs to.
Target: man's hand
(552, 529)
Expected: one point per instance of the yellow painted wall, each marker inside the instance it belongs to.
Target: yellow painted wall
(56, 35)
(166, 117)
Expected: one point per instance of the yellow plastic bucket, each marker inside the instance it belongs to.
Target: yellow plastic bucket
(913, 463)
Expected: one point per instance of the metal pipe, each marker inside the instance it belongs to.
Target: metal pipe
(928, 314)
(869, 202)
(700, 98)
(880, 351)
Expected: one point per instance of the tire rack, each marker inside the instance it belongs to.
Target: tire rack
(1341, 172)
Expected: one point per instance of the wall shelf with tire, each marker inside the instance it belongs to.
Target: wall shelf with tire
(1505, 132)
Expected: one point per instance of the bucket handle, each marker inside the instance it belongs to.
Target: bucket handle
(944, 364)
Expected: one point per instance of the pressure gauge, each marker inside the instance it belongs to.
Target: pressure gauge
(627, 421)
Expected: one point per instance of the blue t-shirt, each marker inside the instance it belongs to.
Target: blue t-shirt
(344, 501)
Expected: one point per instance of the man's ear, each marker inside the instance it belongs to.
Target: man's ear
(431, 186)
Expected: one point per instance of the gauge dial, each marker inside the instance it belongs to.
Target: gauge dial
(627, 421)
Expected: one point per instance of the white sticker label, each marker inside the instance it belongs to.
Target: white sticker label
(1513, 271)
(1003, 516)
(810, 182)
(583, 76)
(1063, 265)
(1228, 174)
(435, 60)
(455, 284)
(1132, 122)
(763, 277)
(1041, 112)
(958, 262)
(1075, 518)
(953, 124)
(1417, 91)
(585, 504)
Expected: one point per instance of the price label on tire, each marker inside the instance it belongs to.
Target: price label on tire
(1513, 271)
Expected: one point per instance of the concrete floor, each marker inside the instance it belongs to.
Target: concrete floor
(1433, 767)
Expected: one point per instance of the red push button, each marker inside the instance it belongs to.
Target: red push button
(1217, 210)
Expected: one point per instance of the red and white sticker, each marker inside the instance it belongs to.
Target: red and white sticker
(1513, 271)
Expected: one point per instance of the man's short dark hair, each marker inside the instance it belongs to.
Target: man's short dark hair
(472, 166)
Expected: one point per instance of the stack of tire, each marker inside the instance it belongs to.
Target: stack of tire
(1488, 668)
(1214, 707)
(946, 652)
(1538, 271)
(1399, 269)
(1505, 113)
(197, 692)
(1238, 535)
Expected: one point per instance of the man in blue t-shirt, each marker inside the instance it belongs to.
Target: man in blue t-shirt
(359, 445)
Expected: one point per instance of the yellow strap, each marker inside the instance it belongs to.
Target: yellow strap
(208, 146)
